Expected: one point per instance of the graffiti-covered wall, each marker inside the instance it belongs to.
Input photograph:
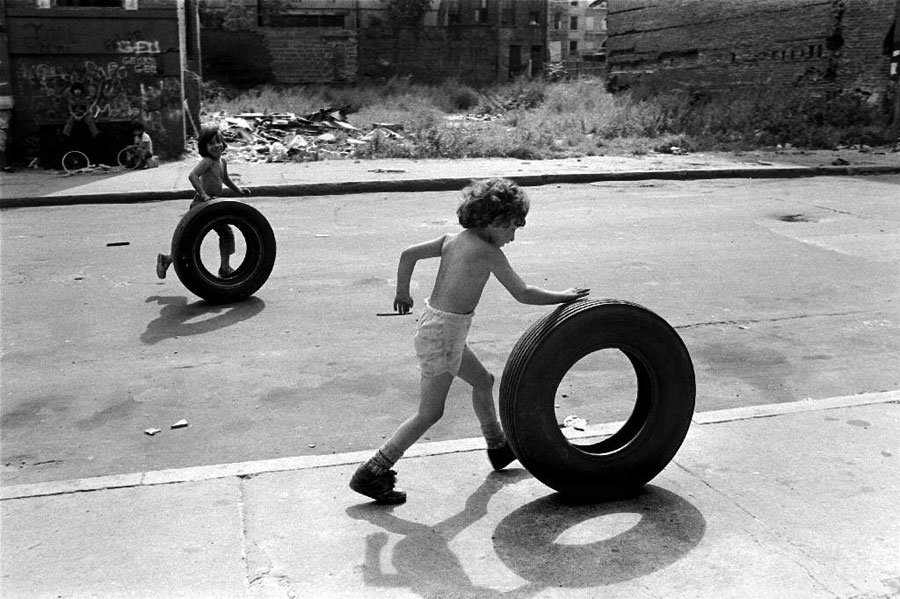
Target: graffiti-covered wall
(81, 76)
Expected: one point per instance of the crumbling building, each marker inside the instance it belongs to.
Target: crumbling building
(821, 45)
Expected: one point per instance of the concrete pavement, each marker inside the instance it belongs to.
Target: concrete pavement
(788, 500)
(295, 179)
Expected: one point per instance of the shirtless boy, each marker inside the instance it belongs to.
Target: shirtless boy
(491, 212)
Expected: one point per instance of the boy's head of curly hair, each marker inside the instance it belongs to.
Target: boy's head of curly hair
(498, 202)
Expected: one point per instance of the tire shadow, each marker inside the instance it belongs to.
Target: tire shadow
(529, 541)
(668, 527)
(178, 318)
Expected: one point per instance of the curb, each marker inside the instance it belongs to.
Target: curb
(455, 183)
(254, 468)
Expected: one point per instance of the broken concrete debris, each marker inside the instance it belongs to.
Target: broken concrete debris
(287, 137)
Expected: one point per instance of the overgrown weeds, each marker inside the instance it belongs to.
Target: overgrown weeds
(538, 119)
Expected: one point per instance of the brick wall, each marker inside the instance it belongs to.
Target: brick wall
(239, 49)
(718, 44)
(468, 40)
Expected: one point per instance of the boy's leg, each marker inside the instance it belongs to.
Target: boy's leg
(374, 477)
(473, 372)
(226, 249)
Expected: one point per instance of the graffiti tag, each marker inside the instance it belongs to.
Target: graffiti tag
(137, 47)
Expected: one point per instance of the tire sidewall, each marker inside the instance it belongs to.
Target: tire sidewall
(666, 397)
(258, 261)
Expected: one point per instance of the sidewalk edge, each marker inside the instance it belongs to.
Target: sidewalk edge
(253, 468)
(455, 183)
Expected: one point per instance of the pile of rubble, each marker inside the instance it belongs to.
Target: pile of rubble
(287, 137)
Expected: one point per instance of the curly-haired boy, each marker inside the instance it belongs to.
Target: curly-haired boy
(491, 212)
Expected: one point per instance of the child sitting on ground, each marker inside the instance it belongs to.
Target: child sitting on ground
(490, 213)
(142, 144)
(207, 179)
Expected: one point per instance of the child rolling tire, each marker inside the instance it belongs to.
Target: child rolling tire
(253, 271)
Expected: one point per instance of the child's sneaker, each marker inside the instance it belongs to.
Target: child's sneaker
(379, 487)
(501, 457)
(162, 264)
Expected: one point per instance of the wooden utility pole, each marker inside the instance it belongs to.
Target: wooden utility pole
(895, 67)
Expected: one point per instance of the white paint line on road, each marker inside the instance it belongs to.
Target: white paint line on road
(201, 473)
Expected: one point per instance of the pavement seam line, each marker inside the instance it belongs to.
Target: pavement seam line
(253, 468)
(740, 321)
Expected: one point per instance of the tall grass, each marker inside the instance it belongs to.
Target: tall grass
(538, 119)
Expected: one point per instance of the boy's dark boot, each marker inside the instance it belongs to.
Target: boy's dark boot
(501, 457)
(379, 487)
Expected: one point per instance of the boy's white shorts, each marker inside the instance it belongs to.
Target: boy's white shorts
(440, 340)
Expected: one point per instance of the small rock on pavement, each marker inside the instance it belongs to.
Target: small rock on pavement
(180, 424)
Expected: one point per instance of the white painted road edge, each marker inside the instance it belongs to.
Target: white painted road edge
(200, 473)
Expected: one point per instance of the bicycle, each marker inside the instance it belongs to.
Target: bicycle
(130, 158)
(127, 158)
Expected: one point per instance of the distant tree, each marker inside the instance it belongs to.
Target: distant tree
(407, 13)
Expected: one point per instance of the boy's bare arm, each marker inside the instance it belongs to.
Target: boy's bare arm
(529, 294)
(403, 301)
(226, 179)
(196, 178)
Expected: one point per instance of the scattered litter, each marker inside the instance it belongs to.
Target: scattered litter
(312, 445)
(576, 422)
(115, 243)
(323, 234)
(840, 162)
(288, 137)
(743, 327)
(151, 431)
(79, 278)
(180, 424)
(386, 170)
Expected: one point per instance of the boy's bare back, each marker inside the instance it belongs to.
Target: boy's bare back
(491, 214)
(467, 261)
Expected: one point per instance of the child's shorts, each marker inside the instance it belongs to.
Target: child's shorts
(440, 340)
(226, 236)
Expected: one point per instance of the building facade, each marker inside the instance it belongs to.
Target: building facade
(322, 41)
(822, 45)
(81, 70)
(577, 34)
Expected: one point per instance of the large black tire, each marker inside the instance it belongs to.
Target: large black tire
(258, 259)
(622, 463)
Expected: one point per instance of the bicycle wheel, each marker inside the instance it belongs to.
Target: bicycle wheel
(75, 160)
(127, 157)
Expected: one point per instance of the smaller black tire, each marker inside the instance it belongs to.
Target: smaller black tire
(620, 464)
(249, 276)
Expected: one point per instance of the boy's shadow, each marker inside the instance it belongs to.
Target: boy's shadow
(527, 541)
(176, 314)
